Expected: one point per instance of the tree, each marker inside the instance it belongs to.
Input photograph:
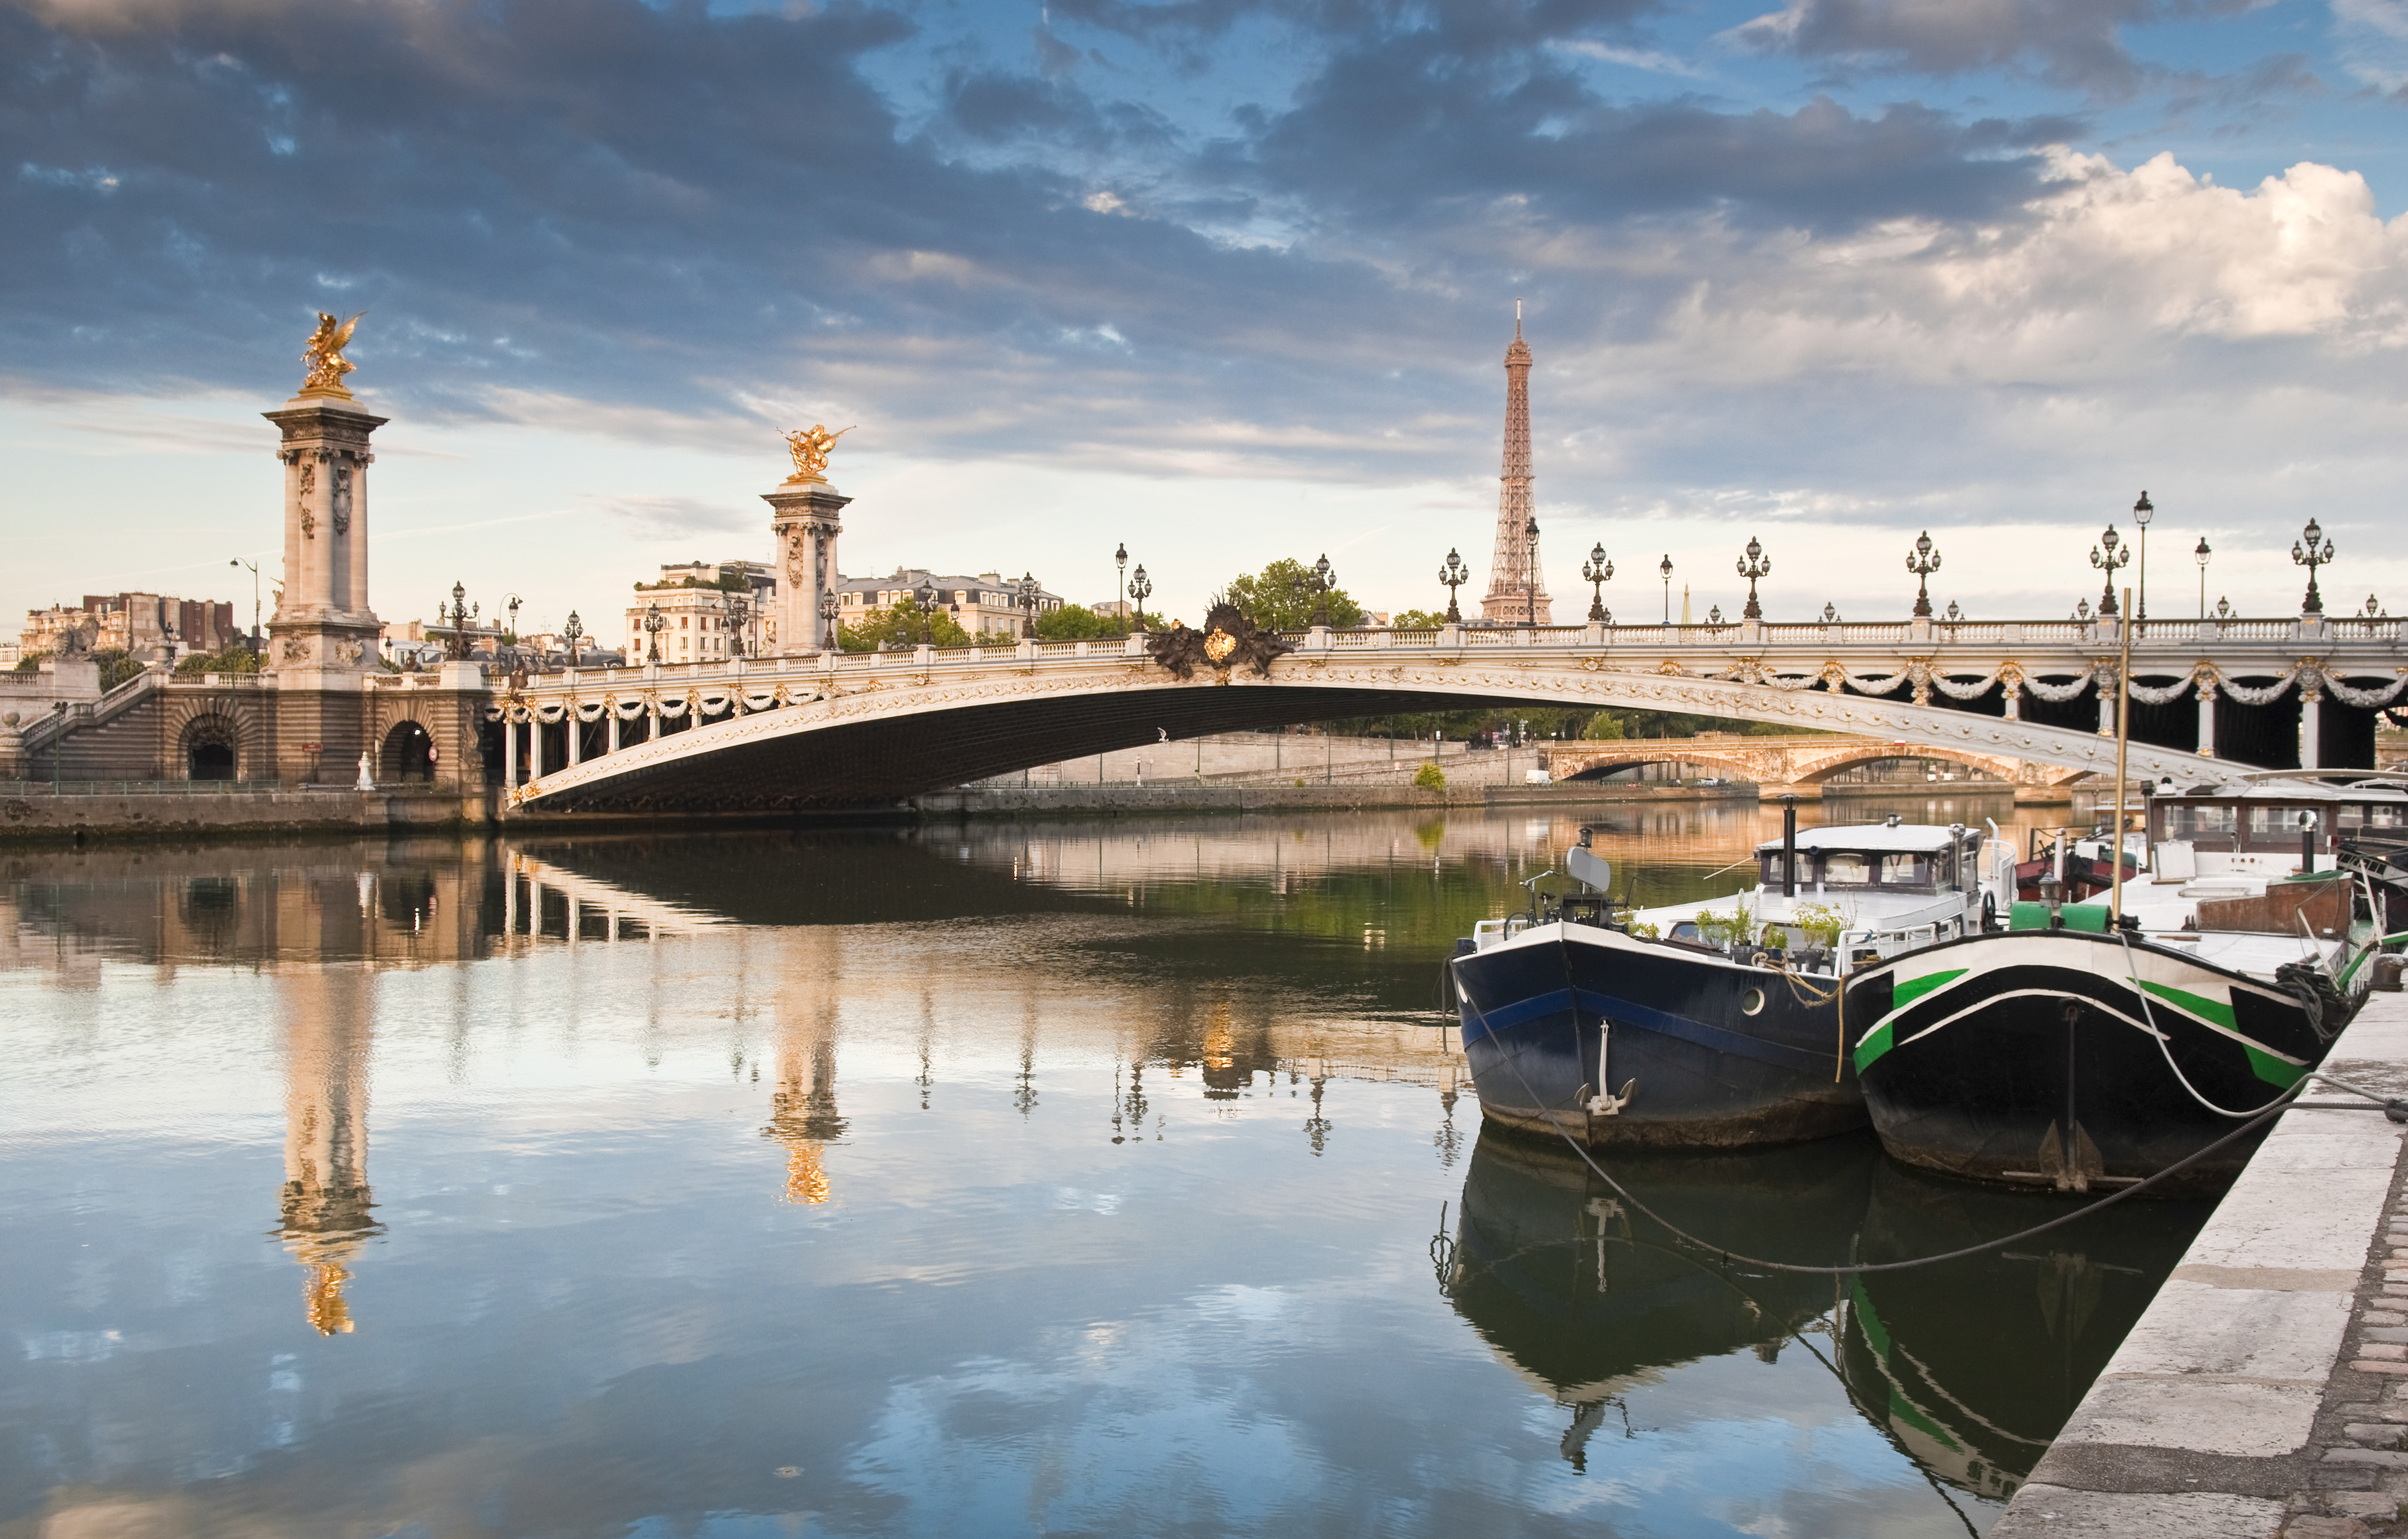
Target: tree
(116, 665)
(1416, 620)
(901, 624)
(1076, 623)
(1284, 596)
(237, 658)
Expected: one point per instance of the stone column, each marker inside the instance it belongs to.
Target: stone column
(2312, 702)
(2207, 721)
(805, 518)
(509, 752)
(322, 637)
(576, 730)
(535, 746)
(2105, 683)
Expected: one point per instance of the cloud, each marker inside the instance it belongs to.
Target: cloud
(2075, 43)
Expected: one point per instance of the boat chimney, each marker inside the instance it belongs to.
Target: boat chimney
(2307, 843)
(1789, 845)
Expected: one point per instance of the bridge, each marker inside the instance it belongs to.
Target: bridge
(832, 728)
(1783, 761)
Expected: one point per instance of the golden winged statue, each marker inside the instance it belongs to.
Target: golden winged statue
(324, 354)
(811, 451)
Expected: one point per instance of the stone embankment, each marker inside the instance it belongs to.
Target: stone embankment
(2265, 1393)
(993, 800)
(200, 810)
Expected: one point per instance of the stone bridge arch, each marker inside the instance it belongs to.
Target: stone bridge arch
(870, 729)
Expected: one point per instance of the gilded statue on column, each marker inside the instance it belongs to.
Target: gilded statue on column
(324, 354)
(811, 450)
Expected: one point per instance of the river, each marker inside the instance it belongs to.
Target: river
(1110, 1177)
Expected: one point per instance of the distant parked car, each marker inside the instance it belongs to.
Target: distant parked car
(1537, 777)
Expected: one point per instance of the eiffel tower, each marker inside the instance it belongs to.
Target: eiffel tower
(1517, 589)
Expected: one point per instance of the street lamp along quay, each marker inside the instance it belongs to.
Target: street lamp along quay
(2202, 555)
(1666, 570)
(653, 626)
(1321, 584)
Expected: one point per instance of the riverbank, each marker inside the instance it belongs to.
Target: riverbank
(78, 811)
(2265, 1391)
(1119, 799)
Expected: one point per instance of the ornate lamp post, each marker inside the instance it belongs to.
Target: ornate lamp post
(2108, 555)
(829, 604)
(2202, 555)
(513, 601)
(2143, 512)
(1120, 559)
(1138, 590)
(1830, 613)
(653, 626)
(1030, 591)
(1596, 573)
(1321, 584)
(2224, 609)
(738, 607)
(2308, 555)
(1530, 574)
(927, 594)
(1667, 571)
(1923, 561)
(459, 617)
(1454, 574)
(1756, 565)
(573, 632)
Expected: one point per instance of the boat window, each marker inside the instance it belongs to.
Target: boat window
(1846, 867)
(1905, 870)
(1772, 867)
(2382, 814)
(2276, 822)
(1684, 930)
(2193, 821)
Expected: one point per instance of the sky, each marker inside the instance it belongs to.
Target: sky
(1224, 281)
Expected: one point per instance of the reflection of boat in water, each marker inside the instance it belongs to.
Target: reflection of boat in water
(1585, 1298)
(1972, 1366)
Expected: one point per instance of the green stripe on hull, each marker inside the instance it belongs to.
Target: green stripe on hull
(2205, 1008)
(2280, 1073)
(1871, 1045)
(1908, 991)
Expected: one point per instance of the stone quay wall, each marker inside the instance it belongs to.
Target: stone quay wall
(2264, 1394)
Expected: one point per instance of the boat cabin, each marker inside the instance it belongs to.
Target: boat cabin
(1892, 857)
(2271, 826)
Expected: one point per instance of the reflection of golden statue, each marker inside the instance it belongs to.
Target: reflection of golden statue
(324, 354)
(810, 452)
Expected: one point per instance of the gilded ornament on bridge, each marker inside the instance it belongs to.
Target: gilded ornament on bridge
(811, 448)
(324, 354)
(1228, 641)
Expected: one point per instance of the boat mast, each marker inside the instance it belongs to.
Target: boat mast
(2123, 745)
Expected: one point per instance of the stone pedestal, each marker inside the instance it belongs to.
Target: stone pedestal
(806, 517)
